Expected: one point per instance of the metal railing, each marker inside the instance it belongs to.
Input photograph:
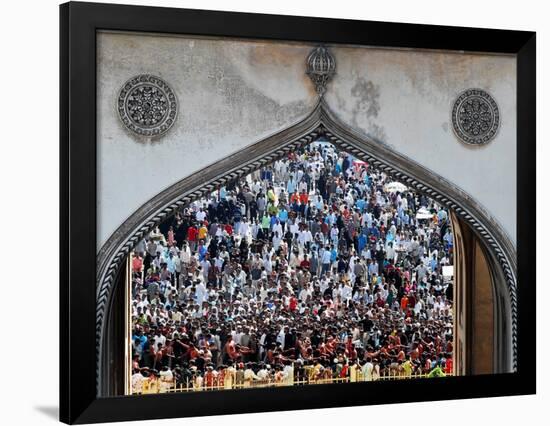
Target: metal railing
(158, 385)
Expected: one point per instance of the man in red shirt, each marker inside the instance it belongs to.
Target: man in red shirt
(192, 236)
(404, 302)
(137, 263)
(304, 197)
(231, 349)
(449, 364)
(293, 304)
(304, 264)
(351, 352)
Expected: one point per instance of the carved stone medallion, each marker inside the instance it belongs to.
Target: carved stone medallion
(321, 67)
(147, 106)
(475, 117)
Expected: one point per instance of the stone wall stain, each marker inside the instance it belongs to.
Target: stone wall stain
(366, 95)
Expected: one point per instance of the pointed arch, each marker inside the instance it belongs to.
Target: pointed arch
(322, 121)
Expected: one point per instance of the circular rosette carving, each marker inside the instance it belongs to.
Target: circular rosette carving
(147, 105)
(475, 117)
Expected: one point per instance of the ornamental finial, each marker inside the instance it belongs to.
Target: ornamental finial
(321, 67)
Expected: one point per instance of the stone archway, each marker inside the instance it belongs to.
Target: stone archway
(499, 250)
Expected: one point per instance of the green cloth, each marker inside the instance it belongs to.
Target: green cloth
(436, 372)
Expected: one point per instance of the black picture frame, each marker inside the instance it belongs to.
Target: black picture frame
(78, 25)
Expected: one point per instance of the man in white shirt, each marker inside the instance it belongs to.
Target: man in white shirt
(166, 379)
(305, 293)
(390, 252)
(185, 255)
(200, 215)
(276, 240)
(159, 338)
(347, 292)
(334, 234)
(244, 228)
(325, 261)
(294, 228)
(137, 382)
(200, 292)
(277, 227)
(305, 237)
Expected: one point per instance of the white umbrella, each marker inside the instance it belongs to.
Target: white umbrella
(395, 187)
(448, 271)
(423, 214)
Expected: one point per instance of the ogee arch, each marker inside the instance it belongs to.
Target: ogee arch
(320, 122)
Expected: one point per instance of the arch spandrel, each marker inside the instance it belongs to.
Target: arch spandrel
(322, 121)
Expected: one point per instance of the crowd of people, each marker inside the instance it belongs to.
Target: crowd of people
(316, 267)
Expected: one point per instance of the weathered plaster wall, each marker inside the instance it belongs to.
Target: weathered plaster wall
(404, 99)
(230, 95)
(233, 93)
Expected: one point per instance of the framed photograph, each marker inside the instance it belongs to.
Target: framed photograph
(265, 212)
